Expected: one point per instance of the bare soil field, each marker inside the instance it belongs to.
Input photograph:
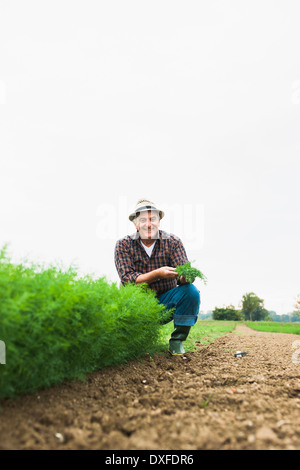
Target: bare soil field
(205, 400)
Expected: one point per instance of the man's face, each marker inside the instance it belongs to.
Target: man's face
(147, 224)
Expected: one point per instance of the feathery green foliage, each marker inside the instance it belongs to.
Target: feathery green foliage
(190, 273)
(58, 326)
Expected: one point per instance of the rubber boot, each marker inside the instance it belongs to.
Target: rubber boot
(175, 344)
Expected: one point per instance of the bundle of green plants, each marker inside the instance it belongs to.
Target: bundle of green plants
(190, 272)
(57, 326)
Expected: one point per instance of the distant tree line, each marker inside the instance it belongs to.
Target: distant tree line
(288, 317)
(253, 310)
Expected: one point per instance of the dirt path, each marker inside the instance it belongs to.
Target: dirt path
(205, 400)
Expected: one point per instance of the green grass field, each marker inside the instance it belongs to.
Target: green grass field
(275, 327)
(203, 332)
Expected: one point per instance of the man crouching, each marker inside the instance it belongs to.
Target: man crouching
(151, 255)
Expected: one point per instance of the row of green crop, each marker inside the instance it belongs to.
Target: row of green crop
(56, 326)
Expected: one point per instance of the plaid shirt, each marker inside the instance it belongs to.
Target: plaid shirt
(131, 259)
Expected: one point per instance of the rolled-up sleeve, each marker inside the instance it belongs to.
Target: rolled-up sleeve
(124, 263)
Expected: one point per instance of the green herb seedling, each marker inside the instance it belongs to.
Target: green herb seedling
(206, 402)
(190, 273)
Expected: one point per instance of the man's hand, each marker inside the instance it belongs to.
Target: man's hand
(182, 280)
(166, 272)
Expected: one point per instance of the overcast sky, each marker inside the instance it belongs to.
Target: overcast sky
(194, 105)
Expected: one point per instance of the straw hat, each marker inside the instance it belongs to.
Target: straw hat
(145, 205)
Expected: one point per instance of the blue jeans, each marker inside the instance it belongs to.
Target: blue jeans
(186, 300)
